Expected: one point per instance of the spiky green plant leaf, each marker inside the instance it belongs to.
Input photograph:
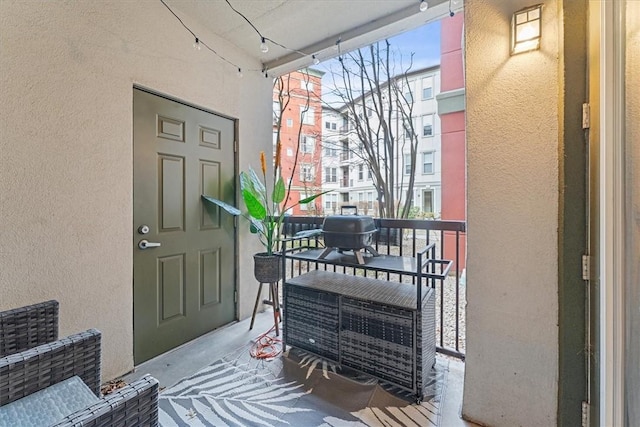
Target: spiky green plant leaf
(255, 207)
(312, 198)
(279, 191)
(227, 207)
(258, 185)
(255, 226)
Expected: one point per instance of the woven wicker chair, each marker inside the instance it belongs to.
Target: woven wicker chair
(33, 358)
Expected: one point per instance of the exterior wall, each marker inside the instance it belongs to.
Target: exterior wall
(454, 183)
(67, 73)
(451, 63)
(295, 85)
(511, 374)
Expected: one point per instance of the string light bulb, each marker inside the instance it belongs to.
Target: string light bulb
(424, 5)
(336, 47)
(239, 72)
(196, 44)
(316, 61)
(264, 47)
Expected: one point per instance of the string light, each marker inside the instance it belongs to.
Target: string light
(264, 47)
(451, 12)
(198, 44)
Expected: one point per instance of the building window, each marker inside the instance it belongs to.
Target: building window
(427, 125)
(276, 111)
(307, 144)
(289, 123)
(331, 174)
(327, 125)
(408, 96)
(307, 115)
(427, 87)
(331, 202)
(330, 151)
(333, 126)
(427, 162)
(345, 197)
(360, 172)
(408, 132)
(370, 200)
(369, 174)
(408, 167)
(306, 173)
(427, 201)
(289, 152)
(306, 85)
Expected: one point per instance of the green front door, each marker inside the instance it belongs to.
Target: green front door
(184, 252)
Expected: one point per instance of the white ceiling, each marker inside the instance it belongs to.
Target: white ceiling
(308, 26)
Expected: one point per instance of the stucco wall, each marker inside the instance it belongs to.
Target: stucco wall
(67, 70)
(512, 211)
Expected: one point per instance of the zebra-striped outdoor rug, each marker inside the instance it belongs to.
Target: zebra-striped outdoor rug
(296, 389)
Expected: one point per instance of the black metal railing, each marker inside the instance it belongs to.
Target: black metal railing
(407, 237)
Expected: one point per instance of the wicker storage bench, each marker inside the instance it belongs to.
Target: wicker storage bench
(371, 325)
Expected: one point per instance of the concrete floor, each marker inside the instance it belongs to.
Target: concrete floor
(189, 358)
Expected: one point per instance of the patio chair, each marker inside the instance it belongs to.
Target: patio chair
(34, 361)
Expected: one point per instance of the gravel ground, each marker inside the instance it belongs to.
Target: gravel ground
(445, 292)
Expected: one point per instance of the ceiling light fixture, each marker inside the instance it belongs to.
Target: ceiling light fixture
(316, 61)
(424, 5)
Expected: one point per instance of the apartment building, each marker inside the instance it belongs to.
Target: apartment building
(347, 172)
(297, 122)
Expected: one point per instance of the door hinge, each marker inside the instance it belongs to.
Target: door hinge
(586, 116)
(235, 296)
(235, 146)
(586, 267)
(585, 414)
(235, 221)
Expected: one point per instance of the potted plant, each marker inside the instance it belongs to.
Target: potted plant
(265, 213)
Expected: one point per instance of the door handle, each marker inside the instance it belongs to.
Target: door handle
(145, 244)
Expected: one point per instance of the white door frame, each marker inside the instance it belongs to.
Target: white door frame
(612, 256)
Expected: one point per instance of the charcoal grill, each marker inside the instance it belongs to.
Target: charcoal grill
(348, 233)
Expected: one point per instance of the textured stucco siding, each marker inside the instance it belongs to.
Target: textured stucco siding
(67, 71)
(512, 153)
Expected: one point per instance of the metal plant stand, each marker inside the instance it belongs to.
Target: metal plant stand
(273, 301)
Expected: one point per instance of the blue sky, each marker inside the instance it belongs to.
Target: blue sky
(423, 42)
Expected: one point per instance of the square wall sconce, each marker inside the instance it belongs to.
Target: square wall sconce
(526, 29)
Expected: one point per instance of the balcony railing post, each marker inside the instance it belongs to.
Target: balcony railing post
(391, 234)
